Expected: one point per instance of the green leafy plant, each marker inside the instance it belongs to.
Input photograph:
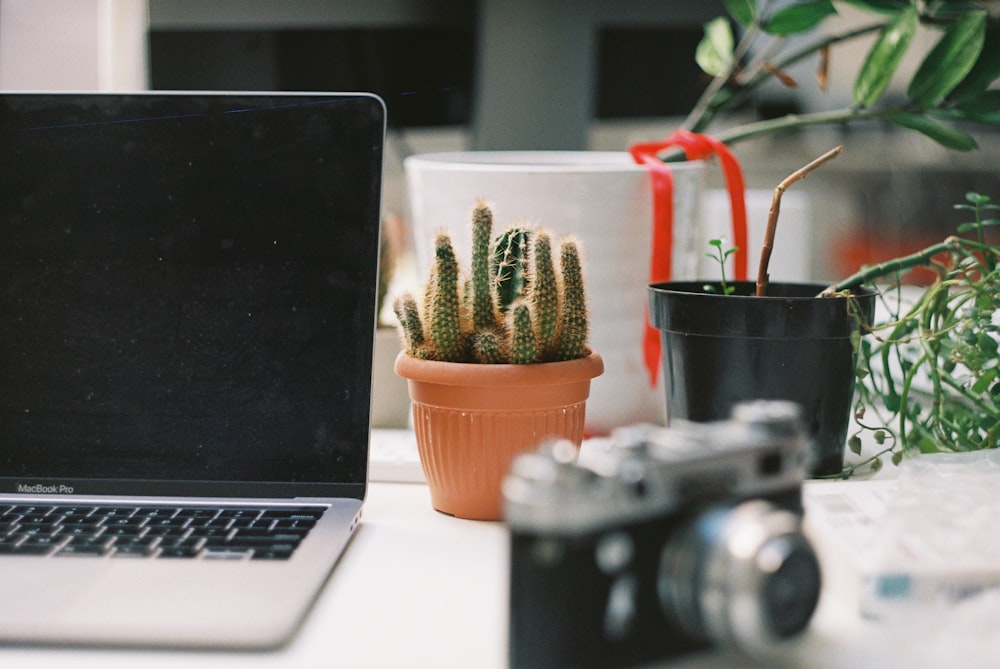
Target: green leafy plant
(951, 84)
(517, 305)
(929, 376)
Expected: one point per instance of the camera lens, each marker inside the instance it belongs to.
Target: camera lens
(740, 575)
(791, 592)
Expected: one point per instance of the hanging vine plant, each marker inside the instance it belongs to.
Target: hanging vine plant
(929, 375)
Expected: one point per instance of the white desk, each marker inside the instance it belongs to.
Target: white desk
(420, 589)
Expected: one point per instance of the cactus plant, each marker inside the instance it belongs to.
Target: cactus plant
(517, 305)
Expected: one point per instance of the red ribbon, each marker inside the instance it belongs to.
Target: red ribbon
(695, 147)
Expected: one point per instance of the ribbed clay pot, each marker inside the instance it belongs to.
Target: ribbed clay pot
(471, 421)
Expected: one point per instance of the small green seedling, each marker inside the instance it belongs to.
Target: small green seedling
(720, 255)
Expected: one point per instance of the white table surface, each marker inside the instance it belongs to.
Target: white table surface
(417, 588)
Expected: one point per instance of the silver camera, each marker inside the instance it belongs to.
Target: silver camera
(675, 539)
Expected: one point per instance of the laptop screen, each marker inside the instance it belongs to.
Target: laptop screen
(187, 291)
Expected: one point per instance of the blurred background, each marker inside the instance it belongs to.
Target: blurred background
(508, 74)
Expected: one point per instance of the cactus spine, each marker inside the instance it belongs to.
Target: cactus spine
(516, 306)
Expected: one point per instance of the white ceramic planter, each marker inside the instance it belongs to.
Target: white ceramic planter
(791, 257)
(605, 200)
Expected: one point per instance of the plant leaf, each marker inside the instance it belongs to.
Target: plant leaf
(942, 134)
(985, 71)
(987, 346)
(799, 18)
(985, 108)
(880, 6)
(951, 59)
(743, 11)
(884, 57)
(714, 54)
(985, 223)
(950, 9)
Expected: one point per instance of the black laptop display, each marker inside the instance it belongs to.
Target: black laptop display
(173, 317)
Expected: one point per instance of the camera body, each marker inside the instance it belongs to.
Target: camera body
(676, 539)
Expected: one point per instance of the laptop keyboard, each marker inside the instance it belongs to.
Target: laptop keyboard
(167, 532)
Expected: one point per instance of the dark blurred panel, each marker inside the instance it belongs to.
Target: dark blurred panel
(424, 75)
(648, 71)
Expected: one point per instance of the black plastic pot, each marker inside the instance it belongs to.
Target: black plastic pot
(791, 345)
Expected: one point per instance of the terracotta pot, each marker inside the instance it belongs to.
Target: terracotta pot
(472, 420)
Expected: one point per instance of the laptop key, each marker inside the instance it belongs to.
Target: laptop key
(156, 512)
(21, 549)
(41, 544)
(114, 511)
(200, 513)
(135, 549)
(222, 523)
(129, 521)
(276, 534)
(226, 554)
(275, 553)
(294, 514)
(177, 552)
(124, 532)
(81, 521)
(81, 551)
(239, 513)
(73, 511)
(30, 508)
(217, 534)
(247, 522)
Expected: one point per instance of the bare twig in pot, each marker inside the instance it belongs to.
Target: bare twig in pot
(772, 215)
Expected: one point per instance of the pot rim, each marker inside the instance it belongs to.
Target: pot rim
(674, 287)
(539, 161)
(507, 375)
(802, 315)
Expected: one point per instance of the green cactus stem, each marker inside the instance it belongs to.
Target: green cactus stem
(483, 306)
(524, 348)
(408, 314)
(574, 326)
(488, 347)
(443, 305)
(544, 293)
(507, 265)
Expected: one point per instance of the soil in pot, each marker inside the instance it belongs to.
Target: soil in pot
(719, 350)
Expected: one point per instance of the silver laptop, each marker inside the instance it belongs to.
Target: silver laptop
(187, 307)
